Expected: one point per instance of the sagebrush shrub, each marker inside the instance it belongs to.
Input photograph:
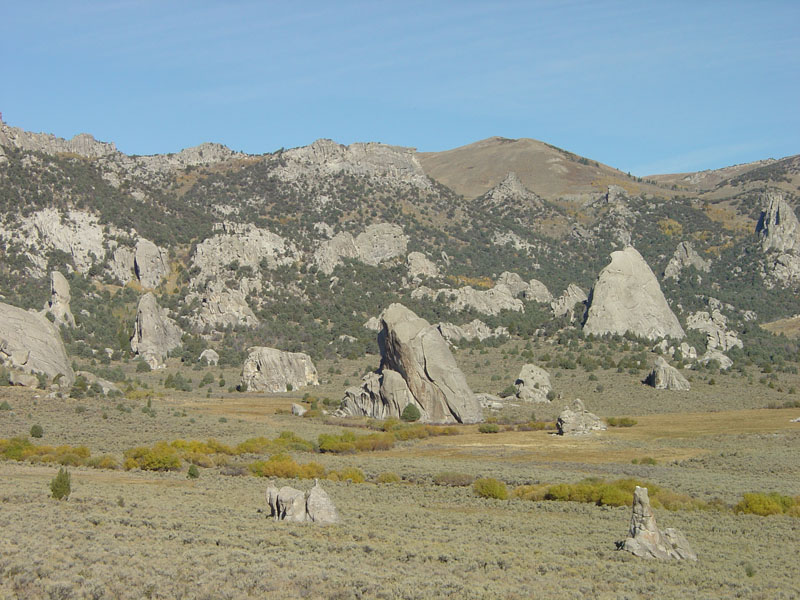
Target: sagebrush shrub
(61, 485)
(37, 431)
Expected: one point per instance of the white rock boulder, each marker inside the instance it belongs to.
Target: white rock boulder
(273, 370)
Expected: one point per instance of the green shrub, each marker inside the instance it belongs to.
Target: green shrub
(410, 413)
(193, 472)
(757, 503)
(388, 477)
(142, 367)
(37, 431)
(489, 487)
(349, 474)
(488, 428)
(5, 405)
(61, 485)
(621, 422)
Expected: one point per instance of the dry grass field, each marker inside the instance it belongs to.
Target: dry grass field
(147, 534)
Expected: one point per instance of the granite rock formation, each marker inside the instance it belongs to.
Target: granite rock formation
(272, 370)
(666, 377)
(578, 421)
(154, 333)
(646, 540)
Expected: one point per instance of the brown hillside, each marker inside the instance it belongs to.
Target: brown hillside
(548, 171)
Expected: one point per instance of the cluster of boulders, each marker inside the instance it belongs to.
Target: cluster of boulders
(576, 420)
(290, 504)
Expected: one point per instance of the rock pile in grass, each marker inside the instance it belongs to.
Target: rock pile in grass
(628, 299)
(646, 540)
(666, 377)
(272, 370)
(578, 421)
(417, 368)
(290, 504)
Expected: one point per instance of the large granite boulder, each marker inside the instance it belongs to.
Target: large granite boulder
(272, 370)
(646, 540)
(290, 504)
(210, 357)
(627, 298)
(31, 343)
(666, 377)
(416, 367)
(330, 253)
(578, 421)
(60, 296)
(150, 263)
(533, 384)
(685, 256)
(538, 292)
(420, 266)
(154, 333)
(381, 242)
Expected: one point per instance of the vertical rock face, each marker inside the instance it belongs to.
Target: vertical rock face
(533, 384)
(420, 265)
(778, 227)
(272, 370)
(646, 540)
(154, 333)
(31, 343)
(58, 305)
(564, 304)
(151, 263)
(381, 242)
(665, 377)
(628, 298)
(416, 367)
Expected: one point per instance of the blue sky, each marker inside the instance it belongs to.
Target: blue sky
(646, 87)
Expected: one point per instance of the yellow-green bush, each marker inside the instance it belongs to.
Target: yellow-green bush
(283, 465)
(21, 448)
(388, 477)
(351, 473)
(621, 422)
(488, 487)
(161, 457)
(757, 503)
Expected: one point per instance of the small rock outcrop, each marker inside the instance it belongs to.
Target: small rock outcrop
(220, 307)
(154, 333)
(489, 302)
(646, 540)
(58, 305)
(474, 330)
(210, 357)
(373, 324)
(290, 504)
(31, 343)
(533, 384)
(298, 410)
(150, 263)
(578, 421)
(538, 292)
(685, 256)
(377, 244)
(715, 326)
(420, 266)
(511, 189)
(628, 298)
(272, 370)
(666, 377)
(564, 305)
(416, 367)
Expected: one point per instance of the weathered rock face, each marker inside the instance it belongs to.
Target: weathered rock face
(488, 302)
(722, 359)
(121, 264)
(420, 266)
(290, 504)
(533, 384)
(511, 189)
(627, 298)
(646, 540)
(373, 324)
(416, 367)
(326, 157)
(154, 333)
(381, 242)
(220, 307)
(779, 231)
(150, 263)
(538, 292)
(474, 330)
(685, 256)
(236, 246)
(331, 252)
(665, 377)
(82, 144)
(715, 326)
(578, 421)
(516, 285)
(272, 370)
(58, 305)
(31, 343)
(210, 357)
(565, 304)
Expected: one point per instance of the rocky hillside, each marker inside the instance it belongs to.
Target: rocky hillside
(300, 248)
